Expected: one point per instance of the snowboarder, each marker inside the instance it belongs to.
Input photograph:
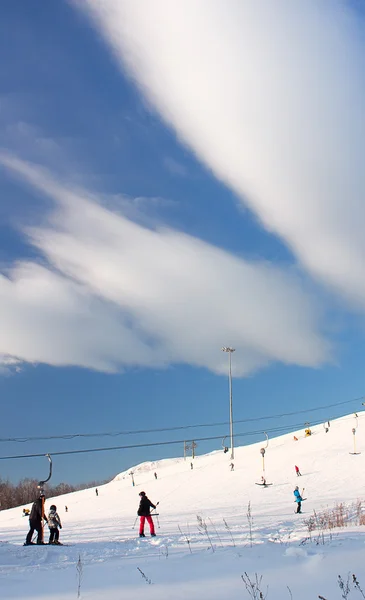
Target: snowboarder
(297, 471)
(54, 522)
(96, 491)
(155, 474)
(35, 521)
(263, 480)
(298, 500)
(26, 512)
(143, 512)
(232, 466)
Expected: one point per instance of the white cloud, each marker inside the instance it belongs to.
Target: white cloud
(270, 95)
(112, 293)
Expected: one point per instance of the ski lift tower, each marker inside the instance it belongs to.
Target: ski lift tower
(230, 351)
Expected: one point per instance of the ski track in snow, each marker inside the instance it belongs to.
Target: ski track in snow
(100, 529)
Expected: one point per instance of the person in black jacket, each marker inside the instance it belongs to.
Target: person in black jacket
(144, 513)
(35, 522)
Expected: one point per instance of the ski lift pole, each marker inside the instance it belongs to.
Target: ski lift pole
(354, 434)
(41, 490)
(262, 452)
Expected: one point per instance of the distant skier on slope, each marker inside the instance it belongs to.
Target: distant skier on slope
(97, 491)
(35, 522)
(155, 474)
(143, 512)
(232, 466)
(54, 522)
(297, 471)
(298, 500)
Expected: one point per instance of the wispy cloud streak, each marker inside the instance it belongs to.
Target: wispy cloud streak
(271, 97)
(111, 293)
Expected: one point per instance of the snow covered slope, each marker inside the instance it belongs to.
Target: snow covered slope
(100, 528)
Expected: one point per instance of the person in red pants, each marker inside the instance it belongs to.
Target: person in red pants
(144, 513)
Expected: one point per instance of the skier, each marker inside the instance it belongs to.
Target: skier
(155, 475)
(297, 471)
(263, 480)
(54, 522)
(26, 512)
(66, 508)
(35, 522)
(232, 466)
(298, 500)
(144, 513)
(191, 466)
(96, 491)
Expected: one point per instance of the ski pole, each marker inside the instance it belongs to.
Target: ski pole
(158, 522)
(135, 521)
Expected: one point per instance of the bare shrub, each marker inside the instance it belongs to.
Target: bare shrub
(79, 573)
(253, 587)
(357, 585)
(203, 529)
(230, 532)
(344, 586)
(250, 522)
(186, 539)
(147, 579)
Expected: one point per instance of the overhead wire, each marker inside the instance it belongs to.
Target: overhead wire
(176, 428)
(284, 428)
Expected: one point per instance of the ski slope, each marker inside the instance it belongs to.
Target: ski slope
(99, 529)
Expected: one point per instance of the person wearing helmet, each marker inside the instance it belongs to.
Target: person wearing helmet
(54, 522)
(143, 512)
(35, 521)
(298, 499)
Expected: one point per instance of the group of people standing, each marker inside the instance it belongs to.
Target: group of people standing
(37, 516)
(36, 519)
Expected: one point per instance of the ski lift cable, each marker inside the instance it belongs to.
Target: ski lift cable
(177, 428)
(288, 428)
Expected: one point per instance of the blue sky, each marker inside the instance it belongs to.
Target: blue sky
(173, 180)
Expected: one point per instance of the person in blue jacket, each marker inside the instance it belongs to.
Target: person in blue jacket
(298, 499)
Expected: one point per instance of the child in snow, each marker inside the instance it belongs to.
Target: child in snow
(297, 471)
(144, 513)
(298, 500)
(54, 522)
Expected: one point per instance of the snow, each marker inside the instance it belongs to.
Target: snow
(99, 529)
